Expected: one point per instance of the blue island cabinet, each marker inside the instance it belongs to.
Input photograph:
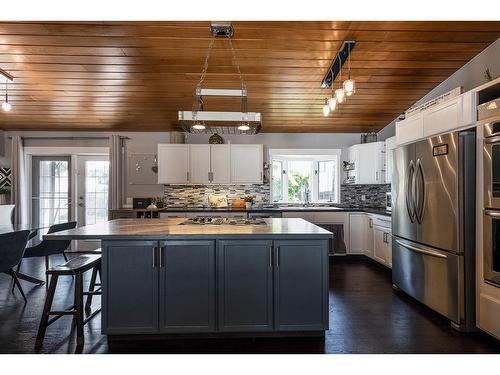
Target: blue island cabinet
(216, 285)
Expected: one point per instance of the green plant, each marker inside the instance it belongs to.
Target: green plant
(296, 184)
(159, 202)
(4, 190)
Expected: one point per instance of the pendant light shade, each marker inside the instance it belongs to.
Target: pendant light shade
(340, 95)
(332, 103)
(244, 127)
(199, 126)
(349, 87)
(326, 109)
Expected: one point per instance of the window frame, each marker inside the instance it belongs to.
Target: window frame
(314, 156)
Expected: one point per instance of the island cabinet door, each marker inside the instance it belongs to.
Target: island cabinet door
(245, 285)
(187, 286)
(301, 285)
(130, 287)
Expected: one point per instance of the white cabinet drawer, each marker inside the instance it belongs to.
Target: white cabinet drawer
(382, 221)
(330, 217)
(309, 216)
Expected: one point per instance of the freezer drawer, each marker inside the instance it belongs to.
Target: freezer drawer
(431, 276)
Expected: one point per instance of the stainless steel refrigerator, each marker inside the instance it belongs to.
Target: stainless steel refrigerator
(433, 224)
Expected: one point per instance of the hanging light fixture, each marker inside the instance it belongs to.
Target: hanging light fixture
(326, 108)
(332, 102)
(339, 93)
(349, 84)
(6, 106)
(198, 126)
(244, 127)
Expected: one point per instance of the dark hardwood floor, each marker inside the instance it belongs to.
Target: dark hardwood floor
(366, 316)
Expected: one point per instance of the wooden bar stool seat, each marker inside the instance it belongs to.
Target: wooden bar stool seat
(75, 267)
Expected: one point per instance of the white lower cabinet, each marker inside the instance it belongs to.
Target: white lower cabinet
(360, 234)
(382, 249)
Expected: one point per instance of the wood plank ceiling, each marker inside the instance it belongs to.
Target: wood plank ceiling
(135, 76)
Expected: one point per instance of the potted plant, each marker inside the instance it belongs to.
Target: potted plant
(158, 202)
(4, 195)
(248, 201)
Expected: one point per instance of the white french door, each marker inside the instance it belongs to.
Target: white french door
(92, 185)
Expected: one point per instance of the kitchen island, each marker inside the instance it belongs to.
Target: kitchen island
(166, 276)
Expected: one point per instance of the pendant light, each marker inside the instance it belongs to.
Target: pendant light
(6, 106)
(332, 102)
(326, 108)
(244, 127)
(198, 126)
(349, 84)
(339, 93)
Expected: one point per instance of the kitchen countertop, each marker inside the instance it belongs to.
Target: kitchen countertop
(371, 210)
(160, 229)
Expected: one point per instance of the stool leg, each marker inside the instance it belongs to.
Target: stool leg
(46, 309)
(88, 303)
(47, 265)
(79, 308)
(17, 283)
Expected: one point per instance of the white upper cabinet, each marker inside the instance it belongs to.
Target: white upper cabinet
(246, 164)
(390, 145)
(173, 164)
(205, 164)
(220, 161)
(199, 164)
(368, 159)
(447, 116)
(410, 129)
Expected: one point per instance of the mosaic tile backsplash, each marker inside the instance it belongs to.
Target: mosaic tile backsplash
(196, 195)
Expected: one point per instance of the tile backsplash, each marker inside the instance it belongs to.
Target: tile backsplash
(196, 195)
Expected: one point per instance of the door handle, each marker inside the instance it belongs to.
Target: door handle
(422, 251)
(409, 190)
(419, 199)
(492, 213)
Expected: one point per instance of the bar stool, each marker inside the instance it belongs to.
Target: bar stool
(75, 267)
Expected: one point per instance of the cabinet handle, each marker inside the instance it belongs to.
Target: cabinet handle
(162, 255)
(154, 257)
(370, 223)
(270, 257)
(376, 176)
(277, 256)
(187, 176)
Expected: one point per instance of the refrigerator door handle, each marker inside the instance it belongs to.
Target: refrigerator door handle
(419, 250)
(409, 191)
(419, 199)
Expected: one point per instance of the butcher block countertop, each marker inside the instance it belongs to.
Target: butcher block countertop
(158, 229)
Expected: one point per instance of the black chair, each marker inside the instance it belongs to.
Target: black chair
(12, 247)
(46, 248)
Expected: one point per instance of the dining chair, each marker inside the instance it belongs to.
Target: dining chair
(12, 245)
(7, 214)
(46, 248)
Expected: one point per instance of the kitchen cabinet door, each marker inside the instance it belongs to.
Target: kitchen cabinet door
(130, 287)
(390, 145)
(220, 160)
(301, 285)
(410, 129)
(360, 234)
(187, 286)
(388, 244)
(245, 285)
(379, 248)
(246, 164)
(443, 117)
(370, 163)
(199, 164)
(173, 164)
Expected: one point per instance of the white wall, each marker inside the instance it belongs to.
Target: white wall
(469, 76)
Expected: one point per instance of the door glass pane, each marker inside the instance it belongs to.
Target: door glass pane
(51, 194)
(299, 178)
(326, 181)
(277, 182)
(96, 191)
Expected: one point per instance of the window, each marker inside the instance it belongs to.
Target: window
(96, 191)
(298, 176)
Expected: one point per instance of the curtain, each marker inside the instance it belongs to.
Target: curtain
(116, 172)
(19, 191)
